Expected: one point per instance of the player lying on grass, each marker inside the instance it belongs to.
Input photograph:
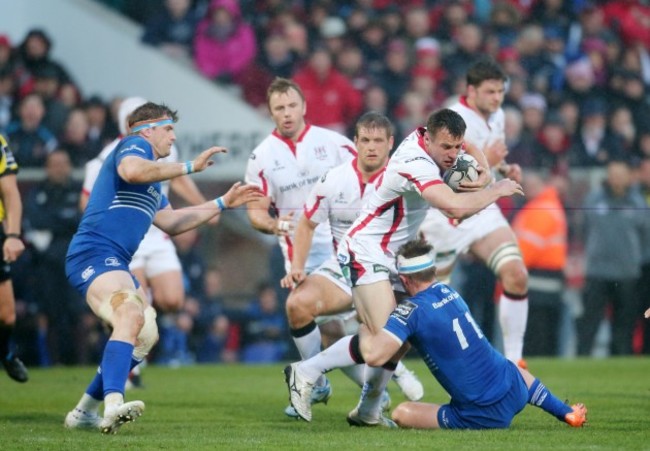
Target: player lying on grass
(486, 389)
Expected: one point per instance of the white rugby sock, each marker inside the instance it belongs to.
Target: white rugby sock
(513, 316)
(355, 373)
(88, 404)
(308, 346)
(376, 381)
(336, 356)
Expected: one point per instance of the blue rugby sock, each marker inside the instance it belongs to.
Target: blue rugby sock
(96, 387)
(540, 396)
(115, 366)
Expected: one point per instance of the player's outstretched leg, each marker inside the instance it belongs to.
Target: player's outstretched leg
(540, 396)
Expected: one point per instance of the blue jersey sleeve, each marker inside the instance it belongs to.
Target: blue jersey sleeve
(401, 322)
(134, 146)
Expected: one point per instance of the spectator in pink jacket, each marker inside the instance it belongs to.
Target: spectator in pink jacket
(224, 45)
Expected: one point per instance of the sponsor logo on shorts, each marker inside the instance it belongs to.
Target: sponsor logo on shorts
(112, 261)
(405, 309)
(333, 274)
(343, 259)
(89, 271)
(379, 268)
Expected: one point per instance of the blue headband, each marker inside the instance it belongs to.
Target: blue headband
(152, 125)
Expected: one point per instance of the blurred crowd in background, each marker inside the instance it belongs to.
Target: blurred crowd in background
(577, 103)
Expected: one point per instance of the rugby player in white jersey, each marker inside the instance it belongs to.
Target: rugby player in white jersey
(286, 165)
(487, 235)
(337, 198)
(389, 218)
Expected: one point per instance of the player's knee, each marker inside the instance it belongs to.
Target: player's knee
(148, 335)
(300, 309)
(401, 413)
(514, 277)
(124, 307)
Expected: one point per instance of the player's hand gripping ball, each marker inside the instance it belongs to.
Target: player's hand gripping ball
(464, 169)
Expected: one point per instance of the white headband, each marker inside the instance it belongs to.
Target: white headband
(415, 264)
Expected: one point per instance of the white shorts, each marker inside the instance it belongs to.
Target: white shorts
(364, 262)
(157, 255)
(331, 270)
(450, 239)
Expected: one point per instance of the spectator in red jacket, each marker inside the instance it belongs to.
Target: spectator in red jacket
(333, 101)
(224, 45)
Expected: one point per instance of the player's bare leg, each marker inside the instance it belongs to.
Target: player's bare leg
(167, 290)
(418, 415)
(113, 297)
(499, 250)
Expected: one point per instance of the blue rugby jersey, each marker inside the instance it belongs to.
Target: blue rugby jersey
(119, 213)
(438, 323)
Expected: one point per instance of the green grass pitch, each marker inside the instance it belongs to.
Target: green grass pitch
(241, 407)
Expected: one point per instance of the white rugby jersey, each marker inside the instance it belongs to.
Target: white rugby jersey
(392, 214)
(479, 131)
(338, 196)
(92, 171)
(286, 172)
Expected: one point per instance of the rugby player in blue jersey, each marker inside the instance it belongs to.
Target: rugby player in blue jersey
(124, 203)
(486, 389)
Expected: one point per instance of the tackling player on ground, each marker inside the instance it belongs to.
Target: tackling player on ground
(390, 217)
(126, 200)
(487, 234)
(486, 389)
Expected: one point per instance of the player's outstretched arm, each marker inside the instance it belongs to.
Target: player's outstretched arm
(464, 205)
(136, 170)
(377, 349)
(302, 240)
(178, 221)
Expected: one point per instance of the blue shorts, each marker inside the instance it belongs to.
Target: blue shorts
(84, 267)
(495, 416)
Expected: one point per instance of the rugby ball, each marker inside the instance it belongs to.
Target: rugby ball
(464, 169)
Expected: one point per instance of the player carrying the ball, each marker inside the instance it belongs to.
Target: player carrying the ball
(390, 217)
(487, 235)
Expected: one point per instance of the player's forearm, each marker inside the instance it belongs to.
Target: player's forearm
(140, 171)
(302, 240)
(463, 205)
(188, 218)
(261, 220)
